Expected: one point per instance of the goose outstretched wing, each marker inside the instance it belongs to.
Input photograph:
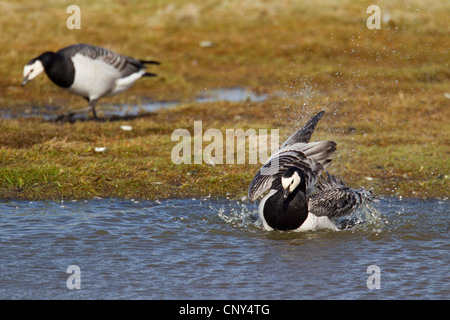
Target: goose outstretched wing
(311, 160)
(275, 168)
(296, 151)
(304, 133)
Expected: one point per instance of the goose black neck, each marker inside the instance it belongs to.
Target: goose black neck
(286, 214)
(60, 69)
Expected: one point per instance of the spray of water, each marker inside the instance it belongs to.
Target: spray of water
(239, 214)
(367, 218)
(244, 216)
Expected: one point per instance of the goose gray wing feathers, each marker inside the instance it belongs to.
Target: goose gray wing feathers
(276, 166)
(311, 158)
(304, 133)
(123, 64)
(334, 199)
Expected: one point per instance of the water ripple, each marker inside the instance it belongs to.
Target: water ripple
(205, 248)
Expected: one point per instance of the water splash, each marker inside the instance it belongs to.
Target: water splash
(244, 216)
(366, 218)
(240, 214)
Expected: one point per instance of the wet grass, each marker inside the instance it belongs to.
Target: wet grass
(383, 92)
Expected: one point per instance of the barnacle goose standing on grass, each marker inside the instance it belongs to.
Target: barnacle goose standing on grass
(300, 199)
(88, 71)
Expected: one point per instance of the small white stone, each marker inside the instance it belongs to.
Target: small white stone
(126, 128)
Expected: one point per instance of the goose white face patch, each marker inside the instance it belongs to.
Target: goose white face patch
(294, 183)
(286, 182)
(291, 183)
(31, 71)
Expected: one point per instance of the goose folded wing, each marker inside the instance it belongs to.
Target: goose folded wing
(124, 65)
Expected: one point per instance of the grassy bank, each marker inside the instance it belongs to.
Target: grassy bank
(383, 92)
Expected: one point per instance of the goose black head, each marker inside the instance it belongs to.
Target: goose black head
(290, 180)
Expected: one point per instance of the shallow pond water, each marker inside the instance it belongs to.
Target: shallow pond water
(233, 94)
(217, 249)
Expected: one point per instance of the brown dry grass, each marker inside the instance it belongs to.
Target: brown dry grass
(383, 90)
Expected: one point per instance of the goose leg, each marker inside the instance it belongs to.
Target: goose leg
(92, 104)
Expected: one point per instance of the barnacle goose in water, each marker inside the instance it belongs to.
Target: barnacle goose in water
(88, 71)
(300, 198)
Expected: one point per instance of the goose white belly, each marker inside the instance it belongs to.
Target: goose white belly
(93, 78)
(314, 222)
